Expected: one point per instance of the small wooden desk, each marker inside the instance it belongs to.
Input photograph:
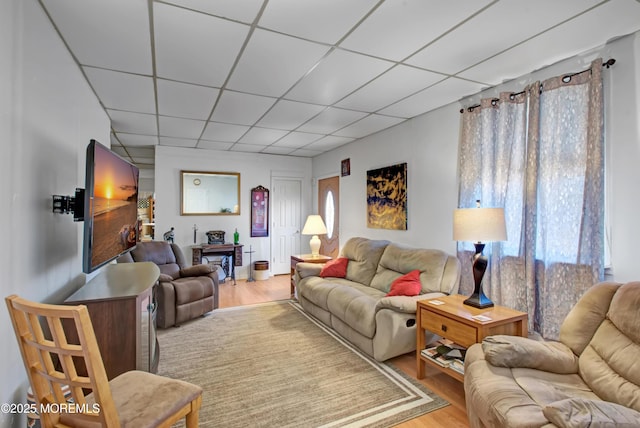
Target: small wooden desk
(307, 258)
(453, 320)
(228, 250)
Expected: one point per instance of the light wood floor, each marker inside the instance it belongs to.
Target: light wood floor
(278, 288)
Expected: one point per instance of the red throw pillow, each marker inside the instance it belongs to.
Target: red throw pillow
(406, 285)
(335, 268)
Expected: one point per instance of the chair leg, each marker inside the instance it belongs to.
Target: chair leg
(192, 417)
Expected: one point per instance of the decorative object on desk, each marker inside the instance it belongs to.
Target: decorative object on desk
(314, 226)
(259, 212)
(236, 237)
(169, 236)
(387, 197)
(210, 193)
(250, 252)
(195, 233)
(478, 225)
(215, 237)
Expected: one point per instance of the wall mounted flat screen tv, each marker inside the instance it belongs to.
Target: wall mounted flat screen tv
(111, 207)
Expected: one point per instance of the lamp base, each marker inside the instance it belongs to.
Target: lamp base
(480, 262)
(479, 300)
(314, 244)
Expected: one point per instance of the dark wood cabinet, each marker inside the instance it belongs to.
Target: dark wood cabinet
(122, 307)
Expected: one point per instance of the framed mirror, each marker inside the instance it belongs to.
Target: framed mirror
(210, 193)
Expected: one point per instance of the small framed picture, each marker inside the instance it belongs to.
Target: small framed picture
(346, 167)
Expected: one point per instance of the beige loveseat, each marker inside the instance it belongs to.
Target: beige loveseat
(589, 378)
(356, 306)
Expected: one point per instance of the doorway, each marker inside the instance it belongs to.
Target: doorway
(286, 210)
(329, 210)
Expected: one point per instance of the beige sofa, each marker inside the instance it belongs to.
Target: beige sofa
(356, 306)
(589, 378)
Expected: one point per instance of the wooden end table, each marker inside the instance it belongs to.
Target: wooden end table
(307, 258)
(453, 320)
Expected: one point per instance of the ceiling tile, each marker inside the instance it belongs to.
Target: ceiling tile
(180, 128)
(289, 114)
(178, 142)
(214, 145)
(272, 63)
(329, 142)
(135, 123)
(297, 139)
(438, 95)
(408, 26)
(331, 120)
(123, 91)
(305, 153)
(453, 52)
(224, 132)
(184, 100)
(545, 49)
(245, 10)
(336, 76)
(262, 136)
(137, 140)
(194, 47)
(241, 109)
(395, 84)
(326, 21)
(88, 29)
(368, 125)
(248, 148)
(277, 150)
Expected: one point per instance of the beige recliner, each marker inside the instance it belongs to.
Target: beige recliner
(185, 292)
(590, 377)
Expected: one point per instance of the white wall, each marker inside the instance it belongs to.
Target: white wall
(429, 144)
(255, 169)
(48, 114)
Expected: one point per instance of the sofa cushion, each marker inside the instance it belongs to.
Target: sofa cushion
(191, 289)
(356, 306)
(335, 268)
(406, 285)
(399, 260)
(581, 413)
(364, 255)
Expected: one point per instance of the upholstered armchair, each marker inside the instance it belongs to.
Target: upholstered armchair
(185, 292)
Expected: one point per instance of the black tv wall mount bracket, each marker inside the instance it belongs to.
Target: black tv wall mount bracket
(70, 205)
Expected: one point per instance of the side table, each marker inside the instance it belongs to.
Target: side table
(307, 258)
(454, 321)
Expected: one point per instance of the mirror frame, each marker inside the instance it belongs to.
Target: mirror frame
(192, 175)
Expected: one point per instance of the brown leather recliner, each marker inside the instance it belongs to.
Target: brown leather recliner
(185, 292)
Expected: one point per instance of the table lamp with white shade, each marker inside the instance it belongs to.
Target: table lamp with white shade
(314, 226)
(479, 225)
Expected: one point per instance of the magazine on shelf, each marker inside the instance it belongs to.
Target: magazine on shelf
(446, 353)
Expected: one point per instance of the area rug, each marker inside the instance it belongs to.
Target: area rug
(271, 365)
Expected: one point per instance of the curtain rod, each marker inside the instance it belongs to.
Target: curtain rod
(565, 79)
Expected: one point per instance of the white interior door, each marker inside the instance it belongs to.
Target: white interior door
(286, 202)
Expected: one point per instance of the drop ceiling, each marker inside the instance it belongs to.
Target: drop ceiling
(302, 77)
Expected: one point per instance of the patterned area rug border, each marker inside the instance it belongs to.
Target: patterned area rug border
(410, 400)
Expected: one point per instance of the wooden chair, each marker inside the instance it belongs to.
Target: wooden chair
(132, 399)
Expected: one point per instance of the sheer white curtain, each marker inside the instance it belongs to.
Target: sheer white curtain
(538, 154)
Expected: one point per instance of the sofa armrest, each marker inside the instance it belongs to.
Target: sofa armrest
(198, 270)
(166, 298)
(304, 270)
(522, 352)
(404, 304)
(581, 412)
